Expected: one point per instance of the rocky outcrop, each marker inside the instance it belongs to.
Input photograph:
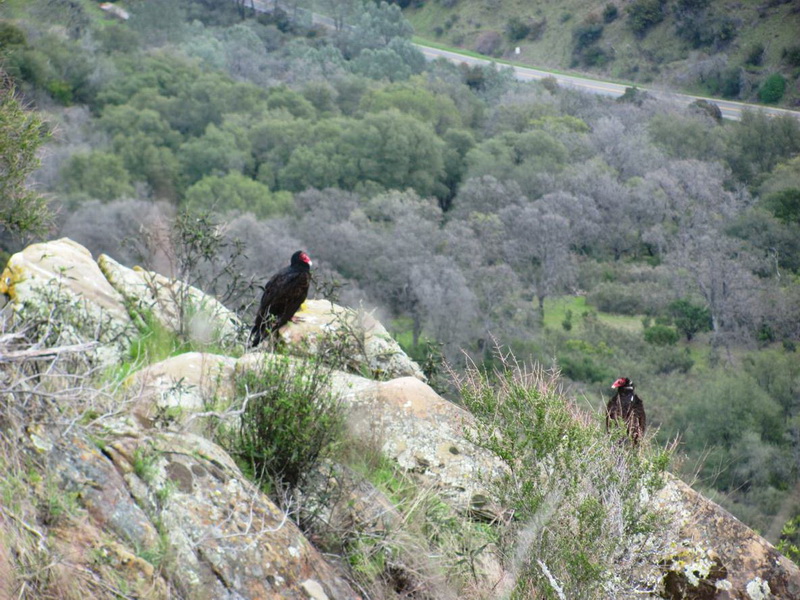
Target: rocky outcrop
(179, 501)
(714, 555)
(169, 513)
(369, 348)
(59, 286)
(173, 304)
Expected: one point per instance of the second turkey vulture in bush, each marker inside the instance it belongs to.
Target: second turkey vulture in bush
(283, 295)
(627, 407)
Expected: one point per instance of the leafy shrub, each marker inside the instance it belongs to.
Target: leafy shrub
(727, 84)
(558, 468)
(703, 28)
(690, 318)
(633, 95)
(644, 14)
(517, 29)
(60, 91)
(21, 134)
(289, 421)
(772, 89)
(567, 322)
(634, 299)
(586, 35)
(610, 13)
(10, 36)
(791, 55)
(709, 108)
(661, 335)
(670, 360)
(785, 205)
(755, 56)
(789, 542)
(489, 43)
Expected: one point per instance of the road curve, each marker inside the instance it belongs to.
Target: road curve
(729, 109)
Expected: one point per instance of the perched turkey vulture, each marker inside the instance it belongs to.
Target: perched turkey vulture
(628, 407)
(283, 295)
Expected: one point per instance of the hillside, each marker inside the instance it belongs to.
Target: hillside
(202, 474)
(598, 238)
(712, 47)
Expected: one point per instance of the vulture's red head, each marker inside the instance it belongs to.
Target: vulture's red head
(622, 382)
(301, 260)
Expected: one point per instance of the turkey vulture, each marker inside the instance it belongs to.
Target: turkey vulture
(628, 407)
(283, 295)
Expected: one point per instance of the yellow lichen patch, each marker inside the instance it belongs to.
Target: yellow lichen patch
(8, 280)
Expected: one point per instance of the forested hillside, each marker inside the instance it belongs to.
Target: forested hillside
(736, 50)
(606, 238)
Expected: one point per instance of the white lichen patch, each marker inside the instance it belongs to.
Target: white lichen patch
(758, 589)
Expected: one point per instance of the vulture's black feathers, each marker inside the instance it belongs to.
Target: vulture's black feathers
(283, 295)
(627, 407)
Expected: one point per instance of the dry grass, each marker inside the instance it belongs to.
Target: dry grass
(48, 546)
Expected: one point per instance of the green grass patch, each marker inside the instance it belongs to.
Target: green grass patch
(557, 309)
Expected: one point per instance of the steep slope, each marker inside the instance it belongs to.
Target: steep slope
(722, 48)
(126, 491)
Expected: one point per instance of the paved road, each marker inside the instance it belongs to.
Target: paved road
(730, 109)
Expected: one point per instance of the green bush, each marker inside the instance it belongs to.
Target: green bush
(10, 36)
(690, 318)
(610, 13)
(791, 55)
(755, 55)
(661, 335)
(671, 360)
(290, 419)
(635, 299)
(644, 14)
(585, 35)
(785, 205)
(772, 89)
(517, 29)
(576, 499)
(580, 367)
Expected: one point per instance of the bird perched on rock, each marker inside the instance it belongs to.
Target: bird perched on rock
(628, 407)
(283, 295)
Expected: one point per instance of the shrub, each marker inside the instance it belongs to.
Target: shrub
(772, 89)
(755, 56)
(489, 43)
(625, 299)
(576, 499)
(517, 29)
(586, 35)
(610, 13)
(661, 335)
(644, 14)
(289, 420)
(785, 205)
(709, 108)
(791, 55)
(690, 318)
(10, 36)
(669, 360)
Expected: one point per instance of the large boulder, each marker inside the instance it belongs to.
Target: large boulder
(175, 390)
(175, 305)
(58, 287)
(370, 349)
(714, 555)
(178, 499)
